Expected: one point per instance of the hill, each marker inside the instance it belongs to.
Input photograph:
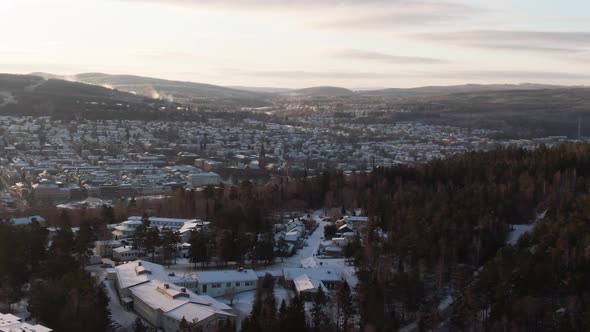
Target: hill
(323, 91)
(444, 90)
(178, 91)
(35, 95)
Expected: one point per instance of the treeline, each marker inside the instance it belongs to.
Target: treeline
(48, 272)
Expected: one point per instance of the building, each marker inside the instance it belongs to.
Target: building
(306, 281)
(127, 253)
(306, 287)
(127, 228)
(46, 190)
(27, 220)
(159, 297)
(358, 223)
(220, 283)
(204, 179)
(12, 323)
(105, 248)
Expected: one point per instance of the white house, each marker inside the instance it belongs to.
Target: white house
(220, 283)
(307, 280)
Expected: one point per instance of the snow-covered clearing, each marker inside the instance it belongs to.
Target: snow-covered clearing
(6, 98)
(519, 230)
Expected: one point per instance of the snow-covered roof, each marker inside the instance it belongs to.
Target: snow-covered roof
(26, 220)
(207, 277)
(12, 323)
(357, 219)
(166, 298)
(191, 311)
(305, 283)
(321, 273)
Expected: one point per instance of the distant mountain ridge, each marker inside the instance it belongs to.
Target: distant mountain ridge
(328, 91)
(186, 91)
(452, 89)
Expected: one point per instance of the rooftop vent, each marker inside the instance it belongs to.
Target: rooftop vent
(166, 286)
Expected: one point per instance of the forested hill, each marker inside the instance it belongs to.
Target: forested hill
(435, 251)
(34, 95)
(447, 223)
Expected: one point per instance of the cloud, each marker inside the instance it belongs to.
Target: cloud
(515, 40)
(344, 13)
(513, 75)
(405, 13)
(385, 58)
(303, 74)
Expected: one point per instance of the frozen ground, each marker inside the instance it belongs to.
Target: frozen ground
(118, 313)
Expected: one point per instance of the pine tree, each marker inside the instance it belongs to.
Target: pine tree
(170, 239)
(318, 316)
(186, 326)
(84, 239)
(296, 315)
(282, 316)
(345, 307)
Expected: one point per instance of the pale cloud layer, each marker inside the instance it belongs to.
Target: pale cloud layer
(298, 43)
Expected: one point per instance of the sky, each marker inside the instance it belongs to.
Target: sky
(301, 43)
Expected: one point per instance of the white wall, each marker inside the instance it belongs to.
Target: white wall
(224, 288)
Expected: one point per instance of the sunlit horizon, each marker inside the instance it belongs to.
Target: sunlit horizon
(296, 44)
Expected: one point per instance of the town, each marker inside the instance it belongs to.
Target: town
(87, 163)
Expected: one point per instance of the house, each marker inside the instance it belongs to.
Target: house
(126, 229)
(104, 248)
(307, 280)
(220, 283)
(162, 298)
(306, 287)
(333, 251)
(357, 222)
(12, 323)
(127, 253)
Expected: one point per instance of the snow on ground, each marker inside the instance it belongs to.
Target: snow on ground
(310, 251)
(313, 244)
(7, 98)
(445, 303)
(118, 313)
(519, 230)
